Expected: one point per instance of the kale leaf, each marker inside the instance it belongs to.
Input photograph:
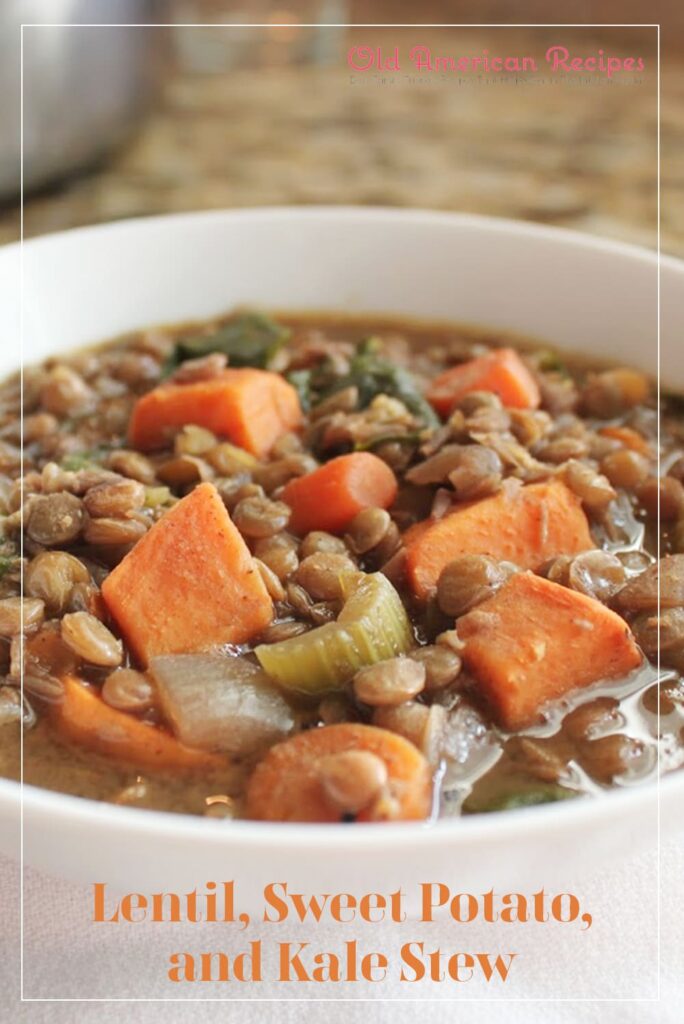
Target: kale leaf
(374, 375)
(251, 339)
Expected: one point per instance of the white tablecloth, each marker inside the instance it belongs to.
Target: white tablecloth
(68, 956)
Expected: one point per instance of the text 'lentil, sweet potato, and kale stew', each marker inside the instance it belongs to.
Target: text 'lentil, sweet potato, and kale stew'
(325, 569)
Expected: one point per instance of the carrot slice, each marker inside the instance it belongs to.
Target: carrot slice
(83, 718)
(526, 527)
(189, 584)
(286, 785)
(629, 438)
(330, 497)
(534, 641)
(250, 407)
(501, 371)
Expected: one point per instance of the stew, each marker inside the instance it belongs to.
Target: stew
(323, 568)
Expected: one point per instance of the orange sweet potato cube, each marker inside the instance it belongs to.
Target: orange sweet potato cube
(534, 641)
(189, 584)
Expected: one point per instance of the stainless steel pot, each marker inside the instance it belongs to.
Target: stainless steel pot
(85, 89)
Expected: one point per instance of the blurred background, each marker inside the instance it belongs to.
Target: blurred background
(130, 122)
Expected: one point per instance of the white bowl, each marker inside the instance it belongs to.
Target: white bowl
(577, 292)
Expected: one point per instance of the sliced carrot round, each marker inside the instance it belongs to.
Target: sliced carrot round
(287, 785)
(330, 497)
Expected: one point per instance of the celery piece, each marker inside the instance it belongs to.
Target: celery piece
(529, 796)
(155, 496)
(372, 625)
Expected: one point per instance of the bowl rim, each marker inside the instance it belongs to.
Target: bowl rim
(487, 222)
(27, 800)
(467, 830)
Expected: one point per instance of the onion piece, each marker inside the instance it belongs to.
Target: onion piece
(220, 702)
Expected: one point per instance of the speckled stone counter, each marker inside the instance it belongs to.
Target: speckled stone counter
(575, 153)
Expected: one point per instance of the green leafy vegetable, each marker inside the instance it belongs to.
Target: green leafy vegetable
(301, 381)
(84, 460)
(156, 496)
(6, 565)
(412, 438)
(524, 797)
(252, 339)
(549, 361)
(374, 375)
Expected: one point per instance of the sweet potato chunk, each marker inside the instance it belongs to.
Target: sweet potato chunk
(83, 718)
(526, 527)
(250, 407)
(189, 584)
(535, 641)
(501, 371)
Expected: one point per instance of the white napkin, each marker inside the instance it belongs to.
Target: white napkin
(66, 956)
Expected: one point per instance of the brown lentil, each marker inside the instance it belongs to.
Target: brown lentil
(352, 779)
(320, 541)
(55, 519)
(539, 759)
(662, 633)
(561, 449)
(367, 529)
(625, 468)
(669, 491)
(132, 465)
(205, 368)
(610, 757)
(594, 718)
(335, 708)
(478, 473)
(20, 613)
(118, 499)
(44, 687)
(128, 690)
(65, 393)
(592, 488)
(612, 392)
(466, 582)
(320, 574)
(273, 475)
(184, 470)
(597, 574)
(279, 553)
(227, 459)
(51, 576)
(91, 640)
(389, 682)
(114, 531)
(442, 665)
(194, 440)
(278, 631)
(273, 585)
(41, 424)
(257, 516)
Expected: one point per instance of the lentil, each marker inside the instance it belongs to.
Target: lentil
(390, 682)
(128, 690)
(352, 779)
(90, 639)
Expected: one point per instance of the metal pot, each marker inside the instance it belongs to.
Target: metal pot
(85, 88)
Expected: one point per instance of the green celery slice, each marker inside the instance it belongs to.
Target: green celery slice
(373, 625)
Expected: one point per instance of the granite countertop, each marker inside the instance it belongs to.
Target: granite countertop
(579, 155)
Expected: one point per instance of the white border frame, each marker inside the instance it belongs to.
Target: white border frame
(337, 25)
